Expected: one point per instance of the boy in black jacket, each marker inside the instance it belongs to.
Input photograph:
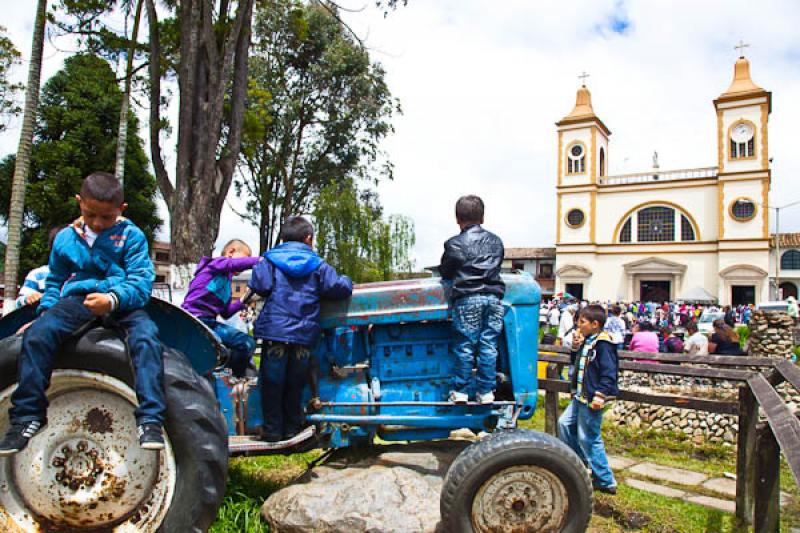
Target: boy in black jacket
(472, 261)
(593, 380)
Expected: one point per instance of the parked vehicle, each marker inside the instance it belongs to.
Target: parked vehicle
(382, 369)
(706, 321)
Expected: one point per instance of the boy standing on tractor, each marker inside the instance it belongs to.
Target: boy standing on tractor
(210, 295)
(99, 266)
(292, 279)
(472, 261)
(593, 379)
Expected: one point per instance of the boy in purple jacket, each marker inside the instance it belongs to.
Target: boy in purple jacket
(210, 295)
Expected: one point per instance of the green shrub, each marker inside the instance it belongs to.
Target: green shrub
(744, 334)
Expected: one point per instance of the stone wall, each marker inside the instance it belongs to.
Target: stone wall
(771, 334)
(700, 426)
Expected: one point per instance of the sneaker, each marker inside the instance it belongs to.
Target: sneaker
(151, 437)
(18, 435)
(269, 437)
(610, 489)
(484, 399)
(458, 397)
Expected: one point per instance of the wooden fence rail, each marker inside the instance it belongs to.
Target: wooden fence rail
(758, 445)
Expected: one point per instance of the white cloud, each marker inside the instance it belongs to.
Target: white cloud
(482, 84)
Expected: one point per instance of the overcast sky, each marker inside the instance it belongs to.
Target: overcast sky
(482, 83)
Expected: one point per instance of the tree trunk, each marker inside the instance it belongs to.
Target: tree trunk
(23, 161)
(122, 137)
(212, 65)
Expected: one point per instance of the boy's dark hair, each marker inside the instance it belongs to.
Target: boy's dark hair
(616, 310)
(469, 209)
(594, 313)
(296, 229)
(103, 187)
(51, 237)
(691, 327)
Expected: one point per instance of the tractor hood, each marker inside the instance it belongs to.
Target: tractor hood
(414, 301)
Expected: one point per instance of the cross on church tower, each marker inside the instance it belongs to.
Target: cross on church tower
(741, 46)
(583, 77)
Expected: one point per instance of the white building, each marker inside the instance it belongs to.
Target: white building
(787, 279)
(658, 235)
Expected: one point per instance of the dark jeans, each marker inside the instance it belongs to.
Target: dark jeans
(43, 339)
(239, 343)
(282, 376)
(477, 324)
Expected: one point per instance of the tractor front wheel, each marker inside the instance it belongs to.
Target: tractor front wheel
(517, 480)
(85, 470)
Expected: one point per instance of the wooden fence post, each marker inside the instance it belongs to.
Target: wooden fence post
(551, 403)
(745, 455)
(767, 473)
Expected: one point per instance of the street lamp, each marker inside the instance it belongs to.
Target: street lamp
(778, 245)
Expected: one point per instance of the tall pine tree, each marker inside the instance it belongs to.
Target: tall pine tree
(76, 134)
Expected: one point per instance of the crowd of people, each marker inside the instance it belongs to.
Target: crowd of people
(651, 327)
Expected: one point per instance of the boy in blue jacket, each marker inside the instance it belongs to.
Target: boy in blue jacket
(292, 279)
(593, 380)
(100, 265)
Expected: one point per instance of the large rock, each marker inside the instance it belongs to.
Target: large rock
(394, 489)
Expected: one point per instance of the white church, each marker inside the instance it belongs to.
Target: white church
(692, 234)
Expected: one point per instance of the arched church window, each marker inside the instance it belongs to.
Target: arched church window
(790, 260)
(687, 231)
(602, 161)
(743, 209)
(576, 159)
(656, 224)
(743, 140)
(575, 218)
(625, 232)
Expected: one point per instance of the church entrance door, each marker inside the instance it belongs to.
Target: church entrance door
(654, 291)
(575, 289)
(743, 294)
(788, 289)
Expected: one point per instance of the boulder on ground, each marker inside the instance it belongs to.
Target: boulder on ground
(393, 489)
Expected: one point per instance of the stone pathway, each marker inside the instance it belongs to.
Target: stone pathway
(662, 480)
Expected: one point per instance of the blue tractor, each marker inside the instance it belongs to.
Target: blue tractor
(382, 369)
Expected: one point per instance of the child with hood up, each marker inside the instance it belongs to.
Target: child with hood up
(292, 279)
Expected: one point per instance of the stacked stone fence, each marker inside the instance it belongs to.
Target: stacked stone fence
(772, 334)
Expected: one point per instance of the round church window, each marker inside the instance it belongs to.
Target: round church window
(577, 151)
(743, 209)
(575, 218)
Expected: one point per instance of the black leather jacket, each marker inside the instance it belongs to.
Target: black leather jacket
(472, 261)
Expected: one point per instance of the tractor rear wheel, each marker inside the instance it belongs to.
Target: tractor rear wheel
(85, 470)
(517, 480)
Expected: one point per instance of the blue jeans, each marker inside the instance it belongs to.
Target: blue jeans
(579, 428)
(239, 343)
(282, 377)
(477, 324)
(43, 339)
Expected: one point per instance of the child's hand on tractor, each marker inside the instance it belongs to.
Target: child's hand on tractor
(98, 303)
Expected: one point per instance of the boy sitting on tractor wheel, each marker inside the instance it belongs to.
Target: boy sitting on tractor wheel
(100, 265)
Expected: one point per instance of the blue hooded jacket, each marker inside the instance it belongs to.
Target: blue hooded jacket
(118, 262)
(294, 279)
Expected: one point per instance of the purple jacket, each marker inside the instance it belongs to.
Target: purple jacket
(210, 291)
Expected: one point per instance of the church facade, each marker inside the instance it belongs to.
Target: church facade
(693, 234)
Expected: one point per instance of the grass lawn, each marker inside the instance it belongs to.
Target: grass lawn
(252, 480)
